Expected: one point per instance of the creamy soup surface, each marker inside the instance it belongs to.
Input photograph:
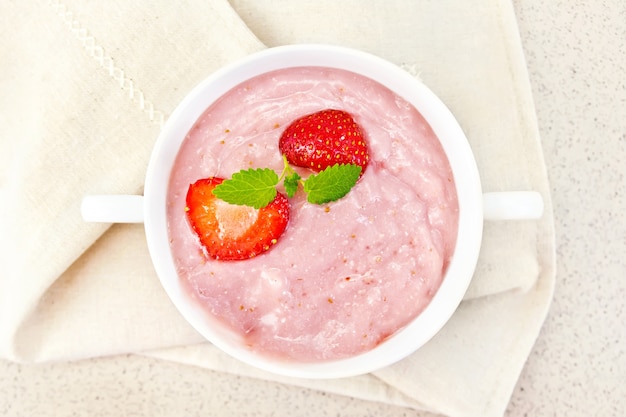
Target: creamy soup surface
(345, 275)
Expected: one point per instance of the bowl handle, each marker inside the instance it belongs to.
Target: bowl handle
(508, 205)
(512, 205)
(112, 208)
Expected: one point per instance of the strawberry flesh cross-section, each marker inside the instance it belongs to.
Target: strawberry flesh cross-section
(232, 232)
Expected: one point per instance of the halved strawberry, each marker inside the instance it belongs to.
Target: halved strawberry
(323, 139)
(232, 232)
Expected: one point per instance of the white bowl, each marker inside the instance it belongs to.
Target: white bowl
(458, 274)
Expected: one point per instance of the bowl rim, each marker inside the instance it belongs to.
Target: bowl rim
(461, 268)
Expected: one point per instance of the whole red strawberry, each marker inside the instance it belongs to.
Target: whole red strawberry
(232, 232)
(323, 139)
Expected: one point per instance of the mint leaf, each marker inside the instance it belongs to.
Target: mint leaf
(291, 184)
(332, 183)
(257, 187)
(252, 187)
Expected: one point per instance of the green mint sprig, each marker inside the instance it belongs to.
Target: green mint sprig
(257, 187)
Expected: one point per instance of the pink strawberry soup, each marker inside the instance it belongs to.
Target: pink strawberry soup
(346, 275)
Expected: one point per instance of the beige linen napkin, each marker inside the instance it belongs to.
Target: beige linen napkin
(84, 89)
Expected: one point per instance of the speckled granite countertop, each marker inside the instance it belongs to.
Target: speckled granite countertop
(576, 57)
(577, 63)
